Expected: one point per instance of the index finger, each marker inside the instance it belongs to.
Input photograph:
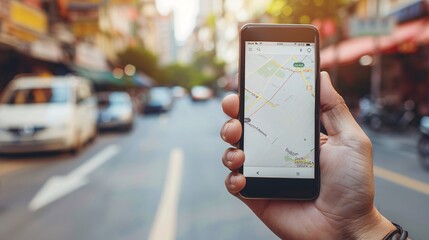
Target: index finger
(230, 105)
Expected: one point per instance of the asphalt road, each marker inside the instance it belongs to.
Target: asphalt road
(402, 186)
(164, 180)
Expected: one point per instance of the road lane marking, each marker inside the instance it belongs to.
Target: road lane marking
(401, 180)
(59, 186)
(164, 226)
(96, 161)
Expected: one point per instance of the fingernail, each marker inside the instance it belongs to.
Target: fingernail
(233, 180)
(230, 156)
(225, 127)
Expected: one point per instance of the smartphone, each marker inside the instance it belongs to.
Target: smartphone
(279, 110)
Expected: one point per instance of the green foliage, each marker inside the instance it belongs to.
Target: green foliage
(208, 63)
(181, 75)
(205, 69)
(143, 59)
(304, 11)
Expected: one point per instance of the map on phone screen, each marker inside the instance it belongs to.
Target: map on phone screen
(279, 109)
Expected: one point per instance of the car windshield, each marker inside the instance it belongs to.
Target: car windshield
(37, 96)
(160, 94)
(119, 99)
(113, 99)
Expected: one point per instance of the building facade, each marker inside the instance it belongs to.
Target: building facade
(389, 63)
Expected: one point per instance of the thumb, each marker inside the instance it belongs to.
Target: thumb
(335, 115)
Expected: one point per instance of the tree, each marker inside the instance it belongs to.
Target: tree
(184, 75)
(211, 66)
(204, 69)
(305, 11)
(143, 59)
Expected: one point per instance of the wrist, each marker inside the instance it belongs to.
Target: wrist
(372, 226)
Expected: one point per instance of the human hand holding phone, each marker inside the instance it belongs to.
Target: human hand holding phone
(345, 207)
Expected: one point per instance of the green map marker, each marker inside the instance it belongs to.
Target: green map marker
(298, 64)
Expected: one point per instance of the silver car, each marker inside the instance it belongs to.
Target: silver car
(116, 111)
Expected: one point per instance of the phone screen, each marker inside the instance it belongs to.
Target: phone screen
(279, 109)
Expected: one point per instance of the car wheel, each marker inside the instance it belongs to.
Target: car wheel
(78, 145)
(129, 127)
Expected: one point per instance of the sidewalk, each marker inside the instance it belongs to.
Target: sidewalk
(404, 141)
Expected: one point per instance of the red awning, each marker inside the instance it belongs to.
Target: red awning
(423, 37)
(352, 49)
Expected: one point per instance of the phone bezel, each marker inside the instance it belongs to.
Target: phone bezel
(281, 188)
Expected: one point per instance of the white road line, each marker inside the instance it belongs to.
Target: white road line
(401, 180)
(164, 226)
(96, 161)
(59, 186)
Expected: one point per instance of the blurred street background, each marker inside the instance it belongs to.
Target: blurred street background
(110, 111)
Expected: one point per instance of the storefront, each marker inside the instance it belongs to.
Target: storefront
(351, 50)
(25, 46)
(404, 57)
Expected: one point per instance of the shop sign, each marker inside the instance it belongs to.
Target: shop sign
(85, 28)
(46, 50)
(4, 9)
(83, 14)
(28, 17)
(371, 26)
(90, 57)
(17, 32)
(13, 36)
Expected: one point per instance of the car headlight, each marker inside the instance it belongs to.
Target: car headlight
(126, 116)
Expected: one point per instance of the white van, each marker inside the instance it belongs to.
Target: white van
(47, 114)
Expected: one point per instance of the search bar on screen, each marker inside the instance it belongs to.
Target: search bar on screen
(280, 50)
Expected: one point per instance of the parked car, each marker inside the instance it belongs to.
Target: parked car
(47, 114)
(158, 100)
(178, 91)
(201, 93)
(116, 111)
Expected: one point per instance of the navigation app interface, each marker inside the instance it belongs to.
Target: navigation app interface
(279, 107)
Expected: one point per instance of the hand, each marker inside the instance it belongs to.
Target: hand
(345, 207)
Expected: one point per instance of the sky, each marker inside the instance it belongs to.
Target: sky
(185, 14)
